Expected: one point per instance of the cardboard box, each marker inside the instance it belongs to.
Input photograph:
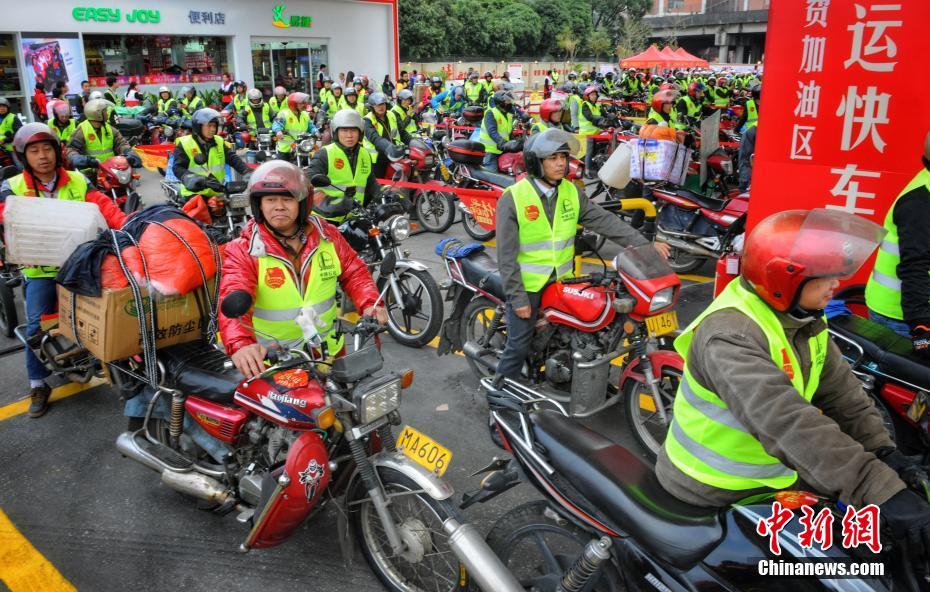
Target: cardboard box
(659, 160)
(108, 326)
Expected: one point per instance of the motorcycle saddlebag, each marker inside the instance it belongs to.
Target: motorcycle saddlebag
(473, 113)
(466, 152)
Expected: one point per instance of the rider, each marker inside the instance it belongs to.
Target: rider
(450, 101)
(9, 125)
(44, 175)
(347, 165)
(488, 84)
(167, 105)
(403, 111)
(62, 124)
(537, 219)
(240, 100)
(279, 100)
(663, 108)
(335, 100)
(496, 127)
(750, 116)
(573, 101)
(292, 122)
(361, 89)
(200, 158)
(898, 290)
(190, 101)
(351, 100)
(325, 93)
(551, 115)
(435, 86)
(474, 90)
(767, 401)
(257, 114)
(95, 140)
(282, 238)
(590, 123)
(722, 92)
(691, 105)
(383, 136)
(112, 94)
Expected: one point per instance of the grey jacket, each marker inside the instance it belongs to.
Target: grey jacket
(829, 441)
(591, 216)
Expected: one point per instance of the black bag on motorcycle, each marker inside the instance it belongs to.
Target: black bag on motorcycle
(678, 219)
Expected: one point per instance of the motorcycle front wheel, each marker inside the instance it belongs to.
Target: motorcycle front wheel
(427, 562)
(417, 318)
(538, 546)
(435, 210)
(475, 230)
(642, 414)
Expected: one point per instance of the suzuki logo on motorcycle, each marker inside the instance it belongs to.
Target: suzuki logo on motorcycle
(577, 292)
(208, 420)
(274, 277)
(287, 399)
(310, 478)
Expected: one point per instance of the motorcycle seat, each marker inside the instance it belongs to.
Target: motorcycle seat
(893, 353)
(625, 489)
(497, 179)
(710, 203)
(481, 270)
(197, 368)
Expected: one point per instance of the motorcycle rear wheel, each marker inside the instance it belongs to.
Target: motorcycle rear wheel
(475, 321)
(682, 262)
(435, 210)
(538, 547)
(428, 564)
(475, 230)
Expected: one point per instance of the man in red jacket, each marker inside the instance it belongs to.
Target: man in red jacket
(37, 147)
(290, 263)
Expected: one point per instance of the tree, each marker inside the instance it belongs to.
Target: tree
(611, 15)
(425, 31)
(634, 36)
(599, 43)
(557, 15)
(524, 25)
(568, 43)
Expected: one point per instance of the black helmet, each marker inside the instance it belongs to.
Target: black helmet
(756, 92)
(543, 145)
(204, 116)
(502, 97)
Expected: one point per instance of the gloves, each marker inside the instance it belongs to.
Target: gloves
(194, 182)
(395, 152)
(134, 160)
(215, 185)
(912, 473)
(82, 161)
(908, 517)
(920, 339)
(511, 146)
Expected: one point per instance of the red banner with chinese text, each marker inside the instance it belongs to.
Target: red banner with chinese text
(845, 106)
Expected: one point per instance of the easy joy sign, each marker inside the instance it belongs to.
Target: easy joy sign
(845, 106)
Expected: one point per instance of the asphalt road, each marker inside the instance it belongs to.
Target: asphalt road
(106, 523)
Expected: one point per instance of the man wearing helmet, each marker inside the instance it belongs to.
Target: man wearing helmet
(750, 116)
(767, 402)
(450, 101)
(590, 122)
(335, 100)
(361, 87)
(691, 107)
(539, 211)
(662, 109)
(257, 114)
(384, 139)
(403, 111)
(721, 92)
(190, 101)
(62, 123)
(240, 99)
(279, 100)
(488, 84)
(293, 122)
(200, 158)
(609, 86)
(435, 86)
(496, 127)
(552, 114)
(350, 100)
(38, 149)
(95, 140)
(325, 93)
(474, 90)
(9, 125)
(167, 105)
(347, 165)
(280, 250)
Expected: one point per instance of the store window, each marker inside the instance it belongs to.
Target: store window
(155, 59)
(10, 87)
(292, 64)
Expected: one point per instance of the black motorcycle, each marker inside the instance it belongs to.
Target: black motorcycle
(409, 292)
(606, 523)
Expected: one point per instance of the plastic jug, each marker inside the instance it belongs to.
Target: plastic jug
(616, 171)
(43, 231)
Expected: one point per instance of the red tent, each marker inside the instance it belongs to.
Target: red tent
(689, 61)
(670, 55)
(647, 59)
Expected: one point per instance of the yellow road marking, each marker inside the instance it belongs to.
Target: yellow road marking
(22, 567)
(58, 393)
(491, 243)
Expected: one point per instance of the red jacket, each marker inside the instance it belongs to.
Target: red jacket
(111, 212)
(240, 271)
(41, 105)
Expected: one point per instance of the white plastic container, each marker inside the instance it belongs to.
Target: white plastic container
(616, 171)
(43, 231)
(659, 160)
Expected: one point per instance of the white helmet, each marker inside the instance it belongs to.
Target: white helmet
(255, 96)
(347, 118)
(95, 95)
(162, 89)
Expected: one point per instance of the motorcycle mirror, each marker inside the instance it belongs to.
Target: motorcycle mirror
(8, 172)
(236, 304)
(320, 181)
(236, 186)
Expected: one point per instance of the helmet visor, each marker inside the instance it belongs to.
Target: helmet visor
(551, 141)
(833, 243)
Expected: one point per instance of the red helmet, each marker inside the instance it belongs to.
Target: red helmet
(277, 177)
(722, 81)
(788, 248)
(32, 133)
(295, 99)
(694, 88)
(662, 97)
(548, 107)
(669, 86)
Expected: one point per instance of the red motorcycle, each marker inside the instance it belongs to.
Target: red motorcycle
(116, 179)
(308, 431)
(423, 163)
(584, 324)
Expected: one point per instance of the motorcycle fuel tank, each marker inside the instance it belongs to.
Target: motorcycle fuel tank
(290, 398)
(577, 305)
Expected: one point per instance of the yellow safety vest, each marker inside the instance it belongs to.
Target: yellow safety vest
(705, 440)
(473, 91)
(240, 103)
(164, 106)
(545, 248)
(294, 126)
(6, 129)
(341, 175)
(392, 133)
(752, 117)
(189, 106)
(64, 134)
(358, 107)
(252, 122)
(586, 127)
(215, 165)
(404, 119)
(97, 143)
(504, 128)
(276, 104)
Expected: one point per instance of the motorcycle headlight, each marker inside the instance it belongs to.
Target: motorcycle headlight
(306, 146)
(377, 398)
(167, 131)
(399, 227)
(727, 166)
(264, 138)
(662, 299)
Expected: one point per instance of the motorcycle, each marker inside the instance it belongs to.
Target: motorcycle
(306, 432)
(584, 323)
(423, 163)
(226, 213)
(605, 523)
(10, 276)
(116, 179)
(261, 143)
(375, 232)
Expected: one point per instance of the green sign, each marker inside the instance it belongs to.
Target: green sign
(279, 20)
(114, 15)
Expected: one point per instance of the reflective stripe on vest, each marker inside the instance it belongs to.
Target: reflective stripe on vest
(97, 143)
(333, 102)
(545, 249)
(215, 165)
(705, 440)
(278, 299)
(341, 176)
(721, 97)
(240, 104)
(164, 106)
(392, 134)
(404, 119)
(473, 91)
(358, 107)
(504, 128)
(586, 127)
(294, 126)
(74, 190)
(252, 122)
(883, 290)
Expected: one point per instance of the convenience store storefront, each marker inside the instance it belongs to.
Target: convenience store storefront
(174, 43)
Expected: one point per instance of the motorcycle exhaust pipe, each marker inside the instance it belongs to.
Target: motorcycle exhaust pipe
(479, 354)
(686, 246)
(480, 561)
(196, 485)
(126, 444)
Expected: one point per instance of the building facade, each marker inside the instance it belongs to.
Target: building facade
(720, 31)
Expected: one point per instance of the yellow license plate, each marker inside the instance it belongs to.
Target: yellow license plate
(424, 450)
(662, 324)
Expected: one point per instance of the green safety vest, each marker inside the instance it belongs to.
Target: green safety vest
(449, 106)
(404, 119)
(586, 127)
(504, 128)
(362, 97)
(473, 91)
(392, 134)
(276, 104)
(545, 249)
(659, 118)
(721, 97)
(705, 440)
(64, 134)
(358, 107)
(540, 126)
(215, 165)
(114, 98)
(341, 176)
(883, 290)
(333, 104)
(74, 190)
(164, 106)
(294, 125)
(192, 105)
(752, 117)
(6, 129)
(240, 104)
(324, 95)
(97, 143)
(277, 304)
(252, 122)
